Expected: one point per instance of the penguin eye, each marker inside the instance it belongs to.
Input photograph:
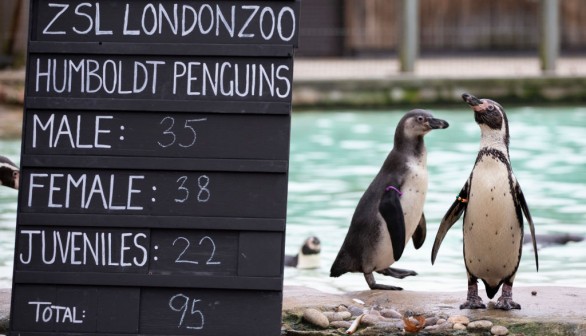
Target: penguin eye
(490, 107)
(420, 119)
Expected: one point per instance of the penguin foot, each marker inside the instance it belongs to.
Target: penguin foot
(385, 287)
(473, 303)
(506, 304)
(373, 285)
(397, 272)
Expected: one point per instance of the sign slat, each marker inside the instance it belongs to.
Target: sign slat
(178, 135)
(184, 22)
(158, 163)
(138, 280)
(113, 48)
(150, 221)
(154, 105)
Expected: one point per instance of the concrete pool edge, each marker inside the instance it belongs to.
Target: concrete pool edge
(408, 91)
(342, 84)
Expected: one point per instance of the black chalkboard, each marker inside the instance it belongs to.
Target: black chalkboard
(154, 168)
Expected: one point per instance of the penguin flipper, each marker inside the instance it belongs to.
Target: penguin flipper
(525, 208)
(454, 213)
(392, 212)
(420, 233)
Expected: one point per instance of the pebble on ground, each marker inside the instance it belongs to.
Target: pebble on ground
(387, 319)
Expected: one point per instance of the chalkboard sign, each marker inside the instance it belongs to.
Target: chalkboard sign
(154, 168)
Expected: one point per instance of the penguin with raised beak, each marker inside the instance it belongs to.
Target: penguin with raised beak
(493, 206)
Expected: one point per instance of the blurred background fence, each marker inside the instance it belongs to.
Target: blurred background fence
(373, 28)
(334, 28)
(381, 52)
(13, 30)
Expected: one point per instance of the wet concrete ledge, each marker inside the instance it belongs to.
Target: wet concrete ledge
(359, 83)
(552, 311)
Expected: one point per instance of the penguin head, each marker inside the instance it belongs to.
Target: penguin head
(9, 173)
(417, 123)
(312, 245)
(490, 116)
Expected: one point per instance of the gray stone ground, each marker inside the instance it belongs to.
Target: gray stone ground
(550, 304)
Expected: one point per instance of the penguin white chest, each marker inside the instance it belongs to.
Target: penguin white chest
(492, 232)
(414, 190)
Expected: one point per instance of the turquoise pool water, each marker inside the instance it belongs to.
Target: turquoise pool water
(334, 156)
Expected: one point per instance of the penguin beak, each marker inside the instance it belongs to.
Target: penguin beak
(471, 100)
(437, 123)
(476, 104)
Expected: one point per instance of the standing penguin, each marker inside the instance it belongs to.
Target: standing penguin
(494, 205)
(391, 210)
(9, 173)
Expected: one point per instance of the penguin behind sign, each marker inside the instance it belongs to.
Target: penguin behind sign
(308, 256)
(391, 210)
(9, 173)
(493, 206)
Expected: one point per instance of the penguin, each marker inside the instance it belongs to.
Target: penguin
(390, 211)
(308, 256)
(546, 240)
(493, 205)
(9, 173)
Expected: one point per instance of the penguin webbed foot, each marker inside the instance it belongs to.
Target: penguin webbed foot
(505, 302)
(397, 272)
(473, 303)
(373, 285)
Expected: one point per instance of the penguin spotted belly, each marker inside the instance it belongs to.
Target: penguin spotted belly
(492, 232)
